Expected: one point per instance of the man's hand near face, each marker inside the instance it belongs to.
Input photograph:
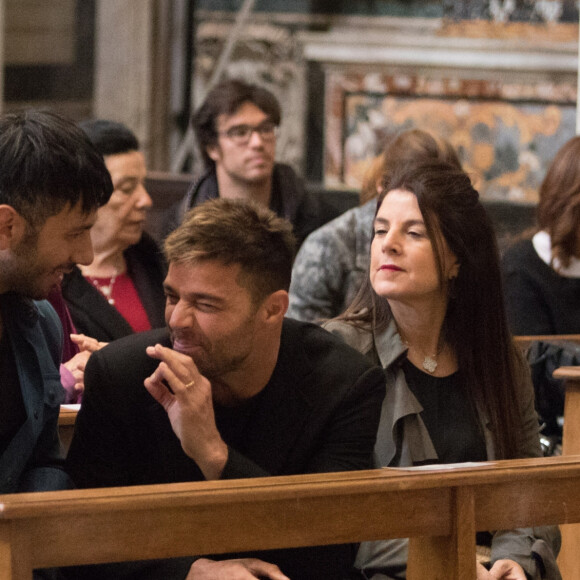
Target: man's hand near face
(189, 408)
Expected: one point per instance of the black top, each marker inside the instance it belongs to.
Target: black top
(538, 300)
(448, 415)
(318, 413)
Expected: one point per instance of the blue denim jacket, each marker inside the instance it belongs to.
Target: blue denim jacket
(33, 461)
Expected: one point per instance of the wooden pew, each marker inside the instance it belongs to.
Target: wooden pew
(66, 425)
(525, 341)
(569, 559)
(440, 510)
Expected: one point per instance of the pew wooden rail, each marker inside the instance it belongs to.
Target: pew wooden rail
(525, 341)
(440, 510)
(66, 424)
(569, 559)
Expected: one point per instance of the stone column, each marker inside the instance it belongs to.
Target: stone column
(123, 64)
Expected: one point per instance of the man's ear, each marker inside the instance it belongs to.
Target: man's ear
(214, 152)
(275, 306)
(12, 226)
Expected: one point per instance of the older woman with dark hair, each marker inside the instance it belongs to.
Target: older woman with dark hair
(542, 274)
(431, 313)
(121, 291)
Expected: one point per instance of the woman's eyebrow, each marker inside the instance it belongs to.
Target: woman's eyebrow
(413, 222)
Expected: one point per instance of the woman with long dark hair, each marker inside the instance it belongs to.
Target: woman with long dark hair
(431, 313)
(333, 260)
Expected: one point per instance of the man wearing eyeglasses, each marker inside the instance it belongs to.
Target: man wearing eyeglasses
(236, 129)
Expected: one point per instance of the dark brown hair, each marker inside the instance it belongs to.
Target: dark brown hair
(558, 210)
(47, 162)
(110, 137)
(408, 146)
(225, 99)
(237, 232)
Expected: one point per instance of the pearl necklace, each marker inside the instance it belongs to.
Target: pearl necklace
(105, 289)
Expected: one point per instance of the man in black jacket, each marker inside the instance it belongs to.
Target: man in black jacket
(231, 390)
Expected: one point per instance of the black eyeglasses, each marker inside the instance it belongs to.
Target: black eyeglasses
(241, 134)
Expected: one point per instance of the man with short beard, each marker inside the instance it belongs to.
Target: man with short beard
(52, 180)
(232, 389)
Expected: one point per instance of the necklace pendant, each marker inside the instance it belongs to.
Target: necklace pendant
(429, 364)
(106, 289)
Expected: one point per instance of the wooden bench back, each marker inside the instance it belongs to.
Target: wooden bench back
(166, 191)
(161, 521)
(525, 341)
(117, 524)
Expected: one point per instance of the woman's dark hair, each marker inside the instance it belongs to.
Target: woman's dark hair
(558, 210)
(110, 137)
(475, 324)
(225, 99)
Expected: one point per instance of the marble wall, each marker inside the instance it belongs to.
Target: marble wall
(513, 10)
(498, 78)
(505, 133)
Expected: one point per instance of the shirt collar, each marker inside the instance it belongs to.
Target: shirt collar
(543, 245)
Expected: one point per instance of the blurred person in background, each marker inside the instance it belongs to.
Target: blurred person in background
(542, 274)
(236, 129)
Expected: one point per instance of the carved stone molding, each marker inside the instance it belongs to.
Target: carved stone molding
(425, 48)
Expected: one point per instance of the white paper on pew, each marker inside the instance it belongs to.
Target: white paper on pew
(71, 407)
(444, 466)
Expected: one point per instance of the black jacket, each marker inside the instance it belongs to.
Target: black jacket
(318, 413)
(95, 317)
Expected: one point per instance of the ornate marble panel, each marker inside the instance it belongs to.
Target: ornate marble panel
(505, 145)
(512, 10)
(507, 104)
(495, 10)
